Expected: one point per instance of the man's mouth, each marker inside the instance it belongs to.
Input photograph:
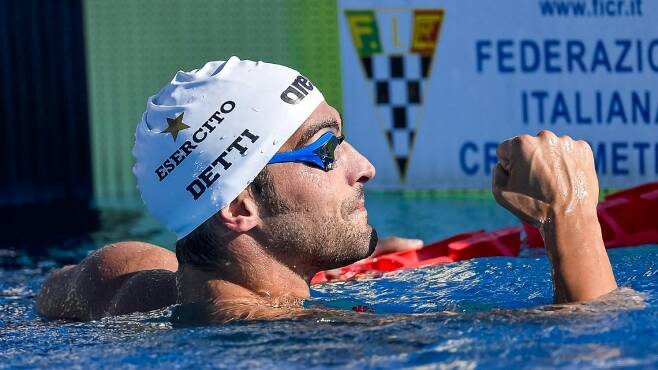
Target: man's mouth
(360, 208)
(357, 204)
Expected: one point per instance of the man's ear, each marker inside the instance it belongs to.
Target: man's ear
(241, 215)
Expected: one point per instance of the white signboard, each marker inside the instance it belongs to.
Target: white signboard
(431, 87)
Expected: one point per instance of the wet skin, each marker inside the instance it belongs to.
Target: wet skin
(547, 181)
(550, 182)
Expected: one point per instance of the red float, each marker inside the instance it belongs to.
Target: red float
(627, 218)
(504, 242)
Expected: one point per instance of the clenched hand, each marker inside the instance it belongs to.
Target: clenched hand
(540, 176)
(550, 182)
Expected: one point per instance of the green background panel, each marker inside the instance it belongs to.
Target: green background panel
(135, 47)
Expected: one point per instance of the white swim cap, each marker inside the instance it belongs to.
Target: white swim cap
(206, 135)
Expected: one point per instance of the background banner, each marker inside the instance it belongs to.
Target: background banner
(431, 87)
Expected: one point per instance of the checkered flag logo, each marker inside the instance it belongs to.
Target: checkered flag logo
(398, 79)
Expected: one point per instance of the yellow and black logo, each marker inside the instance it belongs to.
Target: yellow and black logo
(396, 48)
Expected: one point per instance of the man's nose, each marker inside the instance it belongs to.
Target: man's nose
(359, 168)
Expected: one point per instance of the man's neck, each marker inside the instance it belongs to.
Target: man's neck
(250, 277)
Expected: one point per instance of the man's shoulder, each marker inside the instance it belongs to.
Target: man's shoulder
(144, 291)
(117, 279)
(140, 277)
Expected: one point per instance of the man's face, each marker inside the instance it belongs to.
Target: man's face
(320, 220)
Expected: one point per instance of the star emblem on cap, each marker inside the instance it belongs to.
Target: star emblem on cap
(175, 126)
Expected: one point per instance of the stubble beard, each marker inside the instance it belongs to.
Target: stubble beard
(321, 243)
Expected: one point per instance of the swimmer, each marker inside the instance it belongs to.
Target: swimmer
(248, 165)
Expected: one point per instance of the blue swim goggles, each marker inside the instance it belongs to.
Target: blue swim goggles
(321, 153)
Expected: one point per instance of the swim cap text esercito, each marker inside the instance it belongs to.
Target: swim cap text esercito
(206, 135)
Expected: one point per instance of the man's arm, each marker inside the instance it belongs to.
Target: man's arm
(581, 268)
(551, 182)
(116, 279)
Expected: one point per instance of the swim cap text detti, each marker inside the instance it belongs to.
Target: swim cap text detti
(206, 135)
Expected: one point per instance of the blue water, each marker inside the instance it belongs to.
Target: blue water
(484, 313)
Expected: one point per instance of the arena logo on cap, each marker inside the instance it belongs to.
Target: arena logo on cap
(297, 90)
(176, 125)
(397, 64)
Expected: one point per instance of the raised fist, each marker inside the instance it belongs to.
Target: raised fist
(538, 177)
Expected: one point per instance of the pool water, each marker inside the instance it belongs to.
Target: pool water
(483, 313)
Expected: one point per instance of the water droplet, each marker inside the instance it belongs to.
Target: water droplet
(275, 141)
(255, 109)
(221, 137)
